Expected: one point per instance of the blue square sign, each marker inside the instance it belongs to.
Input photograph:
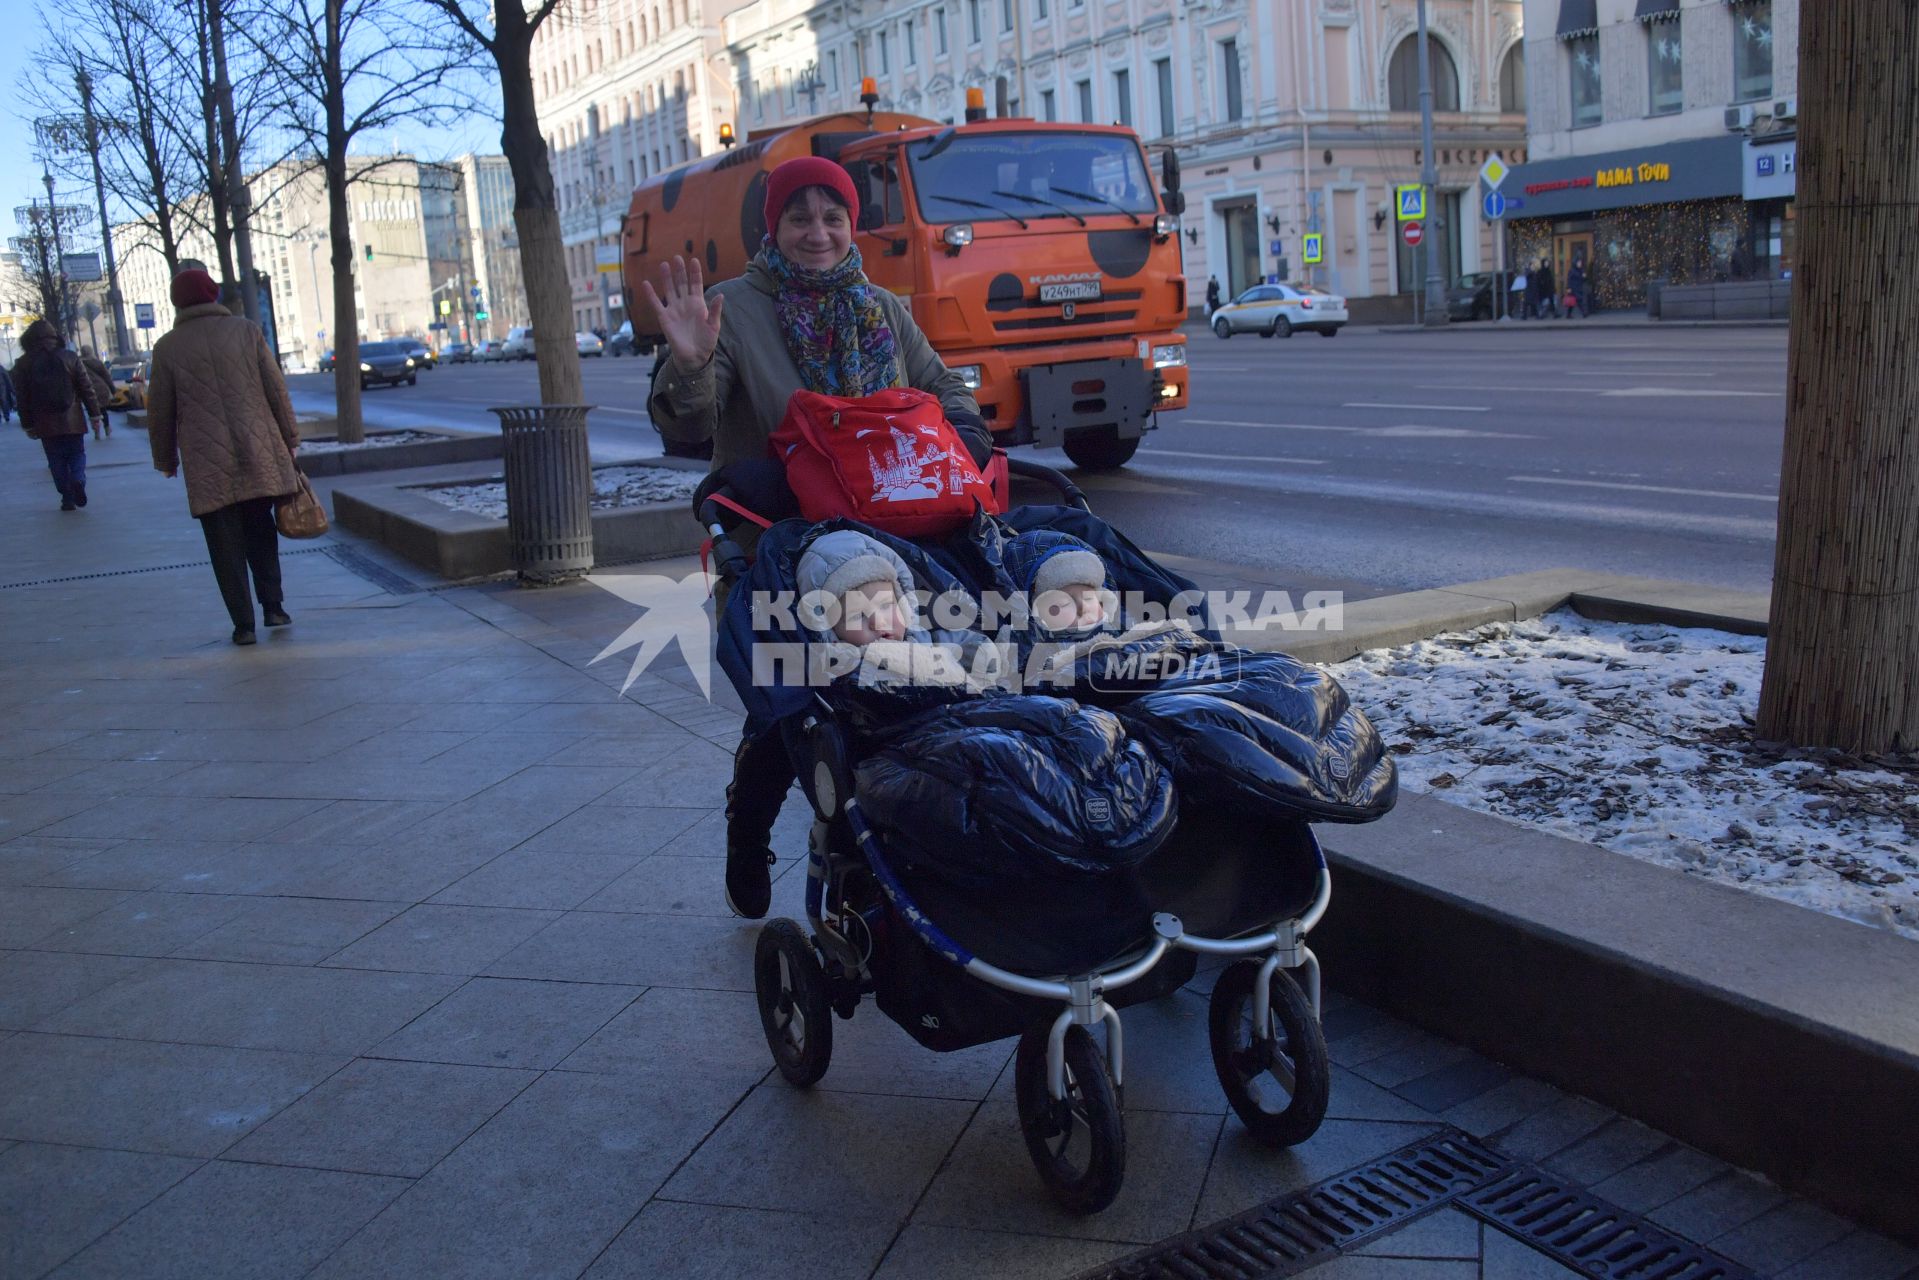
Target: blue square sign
(1768, 165)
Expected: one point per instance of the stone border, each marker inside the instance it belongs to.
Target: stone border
(458, 544)
(1772, 1036)
(450, 448)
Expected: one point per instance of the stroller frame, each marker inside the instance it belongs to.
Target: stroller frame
(800, 976)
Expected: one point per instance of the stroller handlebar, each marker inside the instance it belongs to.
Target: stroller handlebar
(1069, 492)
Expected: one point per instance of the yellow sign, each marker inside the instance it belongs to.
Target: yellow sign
(446, 307)
(609, 268)
(1627, 175)
(1494, 171)
(1410, 200)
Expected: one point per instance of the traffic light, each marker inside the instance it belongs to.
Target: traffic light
(479, 315)
(369, 253)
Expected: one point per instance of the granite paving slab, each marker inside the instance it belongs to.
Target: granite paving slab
(232, 1221)
(1244, 1173)
(724, 1024)
(146, 924)
(603, 828)
(443, 939)
(254, 1006)
(183, 817)
(506, 1022)
(57, 1199)
(956, 1253)
(300, 931)
(1447, 1233)
(636, 950)
(398, 1118)
(35, 985)
(541, 879)
(716, 1242)
(177, 1099)
(37, 859)
(30, 913)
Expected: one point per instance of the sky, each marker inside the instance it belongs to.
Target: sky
(20, 181)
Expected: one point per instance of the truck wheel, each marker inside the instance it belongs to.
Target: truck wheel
(1101, 450)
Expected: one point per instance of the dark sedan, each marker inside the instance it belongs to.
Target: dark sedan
(387, 362)
(1472, 298)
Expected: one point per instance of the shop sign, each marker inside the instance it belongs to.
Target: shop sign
(1697, 170)
(1771, 170)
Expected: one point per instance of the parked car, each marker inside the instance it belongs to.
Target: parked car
(622, 343)
(389, 362)
(457, 352)
(1473, 298)
(422, 354)
(519, 343)
(129, 384)
(589, 344)
(326, 361)
(1278, 310)
(490, 351)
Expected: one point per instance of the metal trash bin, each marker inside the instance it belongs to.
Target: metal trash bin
(549, 491)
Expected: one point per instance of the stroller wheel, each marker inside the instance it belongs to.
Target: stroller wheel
(795, 1010)
(1279, 1087)
(1078, 1144)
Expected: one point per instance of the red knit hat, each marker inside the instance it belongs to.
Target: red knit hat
(796, 175)
(193, 287)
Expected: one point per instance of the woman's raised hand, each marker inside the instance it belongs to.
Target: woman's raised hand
(689, 323)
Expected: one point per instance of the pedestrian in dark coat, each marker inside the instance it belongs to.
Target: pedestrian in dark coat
(1212, 296)
(7, 402)
(1576, 290)
(56, 400)
(102, 379)
(1548, 297)
(218, 406)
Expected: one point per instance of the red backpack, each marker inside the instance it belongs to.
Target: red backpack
(890, 460)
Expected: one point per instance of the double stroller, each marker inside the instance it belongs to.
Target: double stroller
(1052, 953)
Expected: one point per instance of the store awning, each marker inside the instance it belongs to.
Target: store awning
(1578, 18)
(1656, 10)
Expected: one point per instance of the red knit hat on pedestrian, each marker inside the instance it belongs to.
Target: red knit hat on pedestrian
(193, 287)
(789, 179)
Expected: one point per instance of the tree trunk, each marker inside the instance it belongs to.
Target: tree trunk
(239, 204)
(1843, 647)
(536, 216)
(351, 428)
(216, 169)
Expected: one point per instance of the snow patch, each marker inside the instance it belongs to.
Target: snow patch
(613, 488)
(1639, 739)
(384, 440)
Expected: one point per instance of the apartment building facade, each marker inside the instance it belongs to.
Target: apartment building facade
(1663, 142)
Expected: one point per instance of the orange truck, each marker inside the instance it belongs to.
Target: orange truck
(1038, 258)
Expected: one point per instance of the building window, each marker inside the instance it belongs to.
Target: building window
(833, 70)
(1005, 16)
(1512, 80)
(939, 31)
(1751, 50)
(1085, 90)
(1402, 77)
(1048, 105)
(1040, 8)
(1235, 101)
(1123, 95)
(912, 45)
(973, 32)
(886, 64)
(1163, 77)
(1665, 76)
(1582, 61)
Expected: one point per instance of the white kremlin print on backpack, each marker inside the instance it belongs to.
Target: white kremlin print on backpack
(904, 472)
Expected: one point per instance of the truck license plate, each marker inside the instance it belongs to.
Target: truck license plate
(1075, 291)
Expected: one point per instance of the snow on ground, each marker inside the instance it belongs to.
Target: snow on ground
(381, 440)
(613, 487)
(1639, 739)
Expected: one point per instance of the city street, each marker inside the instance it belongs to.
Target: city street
(1385, 460)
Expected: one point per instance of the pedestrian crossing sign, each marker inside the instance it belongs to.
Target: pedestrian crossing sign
(1411, 199)
(1310, 247)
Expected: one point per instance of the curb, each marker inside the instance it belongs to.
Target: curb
(1626, 326)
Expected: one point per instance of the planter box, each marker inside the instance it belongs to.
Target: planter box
(1734, 300)
(419, 453)
(459, 544)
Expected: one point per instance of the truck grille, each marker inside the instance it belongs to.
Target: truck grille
(1080, 321)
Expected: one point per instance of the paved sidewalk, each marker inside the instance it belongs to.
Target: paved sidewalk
(394, 946)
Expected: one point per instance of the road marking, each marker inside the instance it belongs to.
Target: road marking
(1436, 408)
(1647, 392)
(1232, 457)
(1267, 426)
(1646, 488)
(1404, 431)
(613, 408)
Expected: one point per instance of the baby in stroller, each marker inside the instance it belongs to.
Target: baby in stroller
(965, 934)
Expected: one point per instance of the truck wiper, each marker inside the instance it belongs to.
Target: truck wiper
(978, 204)
(1050, 204)
(1086, 195)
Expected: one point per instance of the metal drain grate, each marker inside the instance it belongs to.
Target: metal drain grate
(1589, 1235)
(372, 570)
(1301, 1231)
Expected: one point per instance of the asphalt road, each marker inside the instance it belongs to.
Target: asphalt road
(1387, 461)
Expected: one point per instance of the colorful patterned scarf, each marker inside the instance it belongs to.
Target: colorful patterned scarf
(835, 327)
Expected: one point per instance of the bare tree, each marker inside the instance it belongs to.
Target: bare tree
(341, 69)
(536, 214)
(1843, 646)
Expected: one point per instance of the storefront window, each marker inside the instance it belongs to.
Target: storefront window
(1582, 56)
(1752, 49)
(1664, 72)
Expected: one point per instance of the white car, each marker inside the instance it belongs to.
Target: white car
(519, 344)
(1279, 310)
(589, 344)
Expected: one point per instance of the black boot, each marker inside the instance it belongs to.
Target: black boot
(275, 615)
(762, 774)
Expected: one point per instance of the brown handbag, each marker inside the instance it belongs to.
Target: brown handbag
(299, 514)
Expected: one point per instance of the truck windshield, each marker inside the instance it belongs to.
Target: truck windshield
(1060, 174)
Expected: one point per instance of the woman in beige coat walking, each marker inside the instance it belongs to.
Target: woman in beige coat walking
(217, 405)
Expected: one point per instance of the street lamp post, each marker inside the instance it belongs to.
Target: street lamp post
(1429, 178)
